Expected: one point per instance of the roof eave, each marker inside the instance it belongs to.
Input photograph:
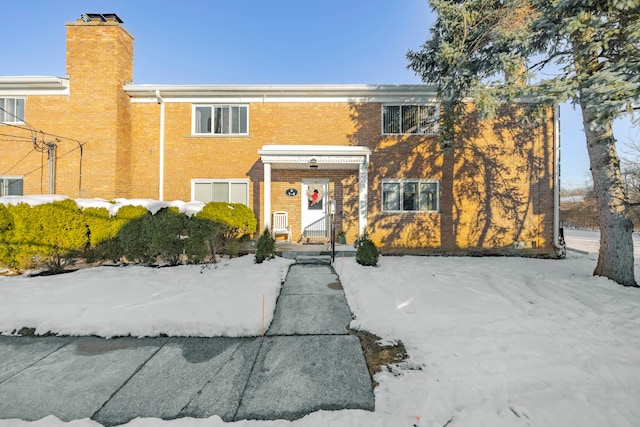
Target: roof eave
(320, 90)
(33, 85)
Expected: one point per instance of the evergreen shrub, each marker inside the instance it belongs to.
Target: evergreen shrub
(133, 233)
(266, 247)
(49, 235)
(103, 240)
(236, 224)
(366, 252)
(237, 218)
(52, 235)
(6, 233)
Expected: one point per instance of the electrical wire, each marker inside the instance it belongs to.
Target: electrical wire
(17, 163)
(33, 130)
(18, 118)
(43, 146)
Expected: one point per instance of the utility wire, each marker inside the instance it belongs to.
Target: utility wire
(44, 146)
(18, 118)
(17, 163)
(15, 137)
(34, 130)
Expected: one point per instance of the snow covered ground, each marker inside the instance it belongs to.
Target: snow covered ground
(492, 341)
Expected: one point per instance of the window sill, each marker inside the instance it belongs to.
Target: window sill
(410, 212)
(226, 135)
(411, 134)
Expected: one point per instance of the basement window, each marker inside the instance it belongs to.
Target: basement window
(220, 120)
(11, 110)
(11, 186)
(220, 190)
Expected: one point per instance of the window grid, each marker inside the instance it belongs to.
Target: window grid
(220, 119)
(11, 110)
(220, 190)
(410, 195)
(410, 119)
(11, 186)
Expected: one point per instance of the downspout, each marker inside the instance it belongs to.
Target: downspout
(363, 196)
(558, 240)
(160, 101)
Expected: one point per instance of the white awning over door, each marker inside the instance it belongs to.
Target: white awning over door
(317, 157)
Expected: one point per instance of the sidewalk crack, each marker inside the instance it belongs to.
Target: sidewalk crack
(133, 374)
(244, 389)
(40, 359)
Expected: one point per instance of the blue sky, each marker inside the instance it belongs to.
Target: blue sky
(256, 42)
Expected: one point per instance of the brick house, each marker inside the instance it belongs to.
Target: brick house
(369, 154)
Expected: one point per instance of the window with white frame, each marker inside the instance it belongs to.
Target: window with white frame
(220, 120)
(410, 195)
(11, 110)
(220, 190)
(11, 186)
(410, 119)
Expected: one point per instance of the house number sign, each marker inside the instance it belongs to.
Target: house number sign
(291, 192)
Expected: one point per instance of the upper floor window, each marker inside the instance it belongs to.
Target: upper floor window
(401, 195)
(410, 119)
(11, 110)
(220, 120)
(10, 186)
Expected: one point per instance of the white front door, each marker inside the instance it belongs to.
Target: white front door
(315, 200)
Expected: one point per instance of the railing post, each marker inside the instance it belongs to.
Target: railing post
(333, 239)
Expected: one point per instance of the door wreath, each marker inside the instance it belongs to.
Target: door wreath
(315, 194)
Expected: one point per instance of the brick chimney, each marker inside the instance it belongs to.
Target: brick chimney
(99, 64)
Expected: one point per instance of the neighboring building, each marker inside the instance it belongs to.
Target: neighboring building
(371, 151)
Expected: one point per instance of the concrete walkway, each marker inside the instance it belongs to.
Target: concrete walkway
(306, 362)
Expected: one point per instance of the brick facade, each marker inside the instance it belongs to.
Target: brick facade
(496, 185)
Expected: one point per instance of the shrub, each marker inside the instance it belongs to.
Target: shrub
(236, 222)
(65, 234)
(200, 232)
(131, 223)
(101, 226)
(166, 231)
(20, 252)
(49, 235)
(6, 219)
(6, 232)
(237, 218)
(366, 252)
(103, 240)
(266, 247)
(54, 234)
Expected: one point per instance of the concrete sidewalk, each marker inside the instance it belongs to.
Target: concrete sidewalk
(307, 362)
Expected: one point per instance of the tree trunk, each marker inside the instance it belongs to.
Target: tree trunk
(615, 259)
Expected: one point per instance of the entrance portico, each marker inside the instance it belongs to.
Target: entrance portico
(316, 158)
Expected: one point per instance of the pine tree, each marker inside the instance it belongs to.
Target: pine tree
(594, 48)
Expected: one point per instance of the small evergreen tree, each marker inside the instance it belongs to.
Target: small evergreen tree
(266, 248)
(366, 252)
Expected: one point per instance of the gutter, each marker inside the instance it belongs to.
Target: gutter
(33, 85)
(558, 240)
(260, 91)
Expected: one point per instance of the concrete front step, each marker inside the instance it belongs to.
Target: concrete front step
(313, 259)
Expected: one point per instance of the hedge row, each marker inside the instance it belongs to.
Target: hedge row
(53, 234)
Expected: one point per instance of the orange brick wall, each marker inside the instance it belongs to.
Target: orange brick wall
(496, 184)
(96, 114)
